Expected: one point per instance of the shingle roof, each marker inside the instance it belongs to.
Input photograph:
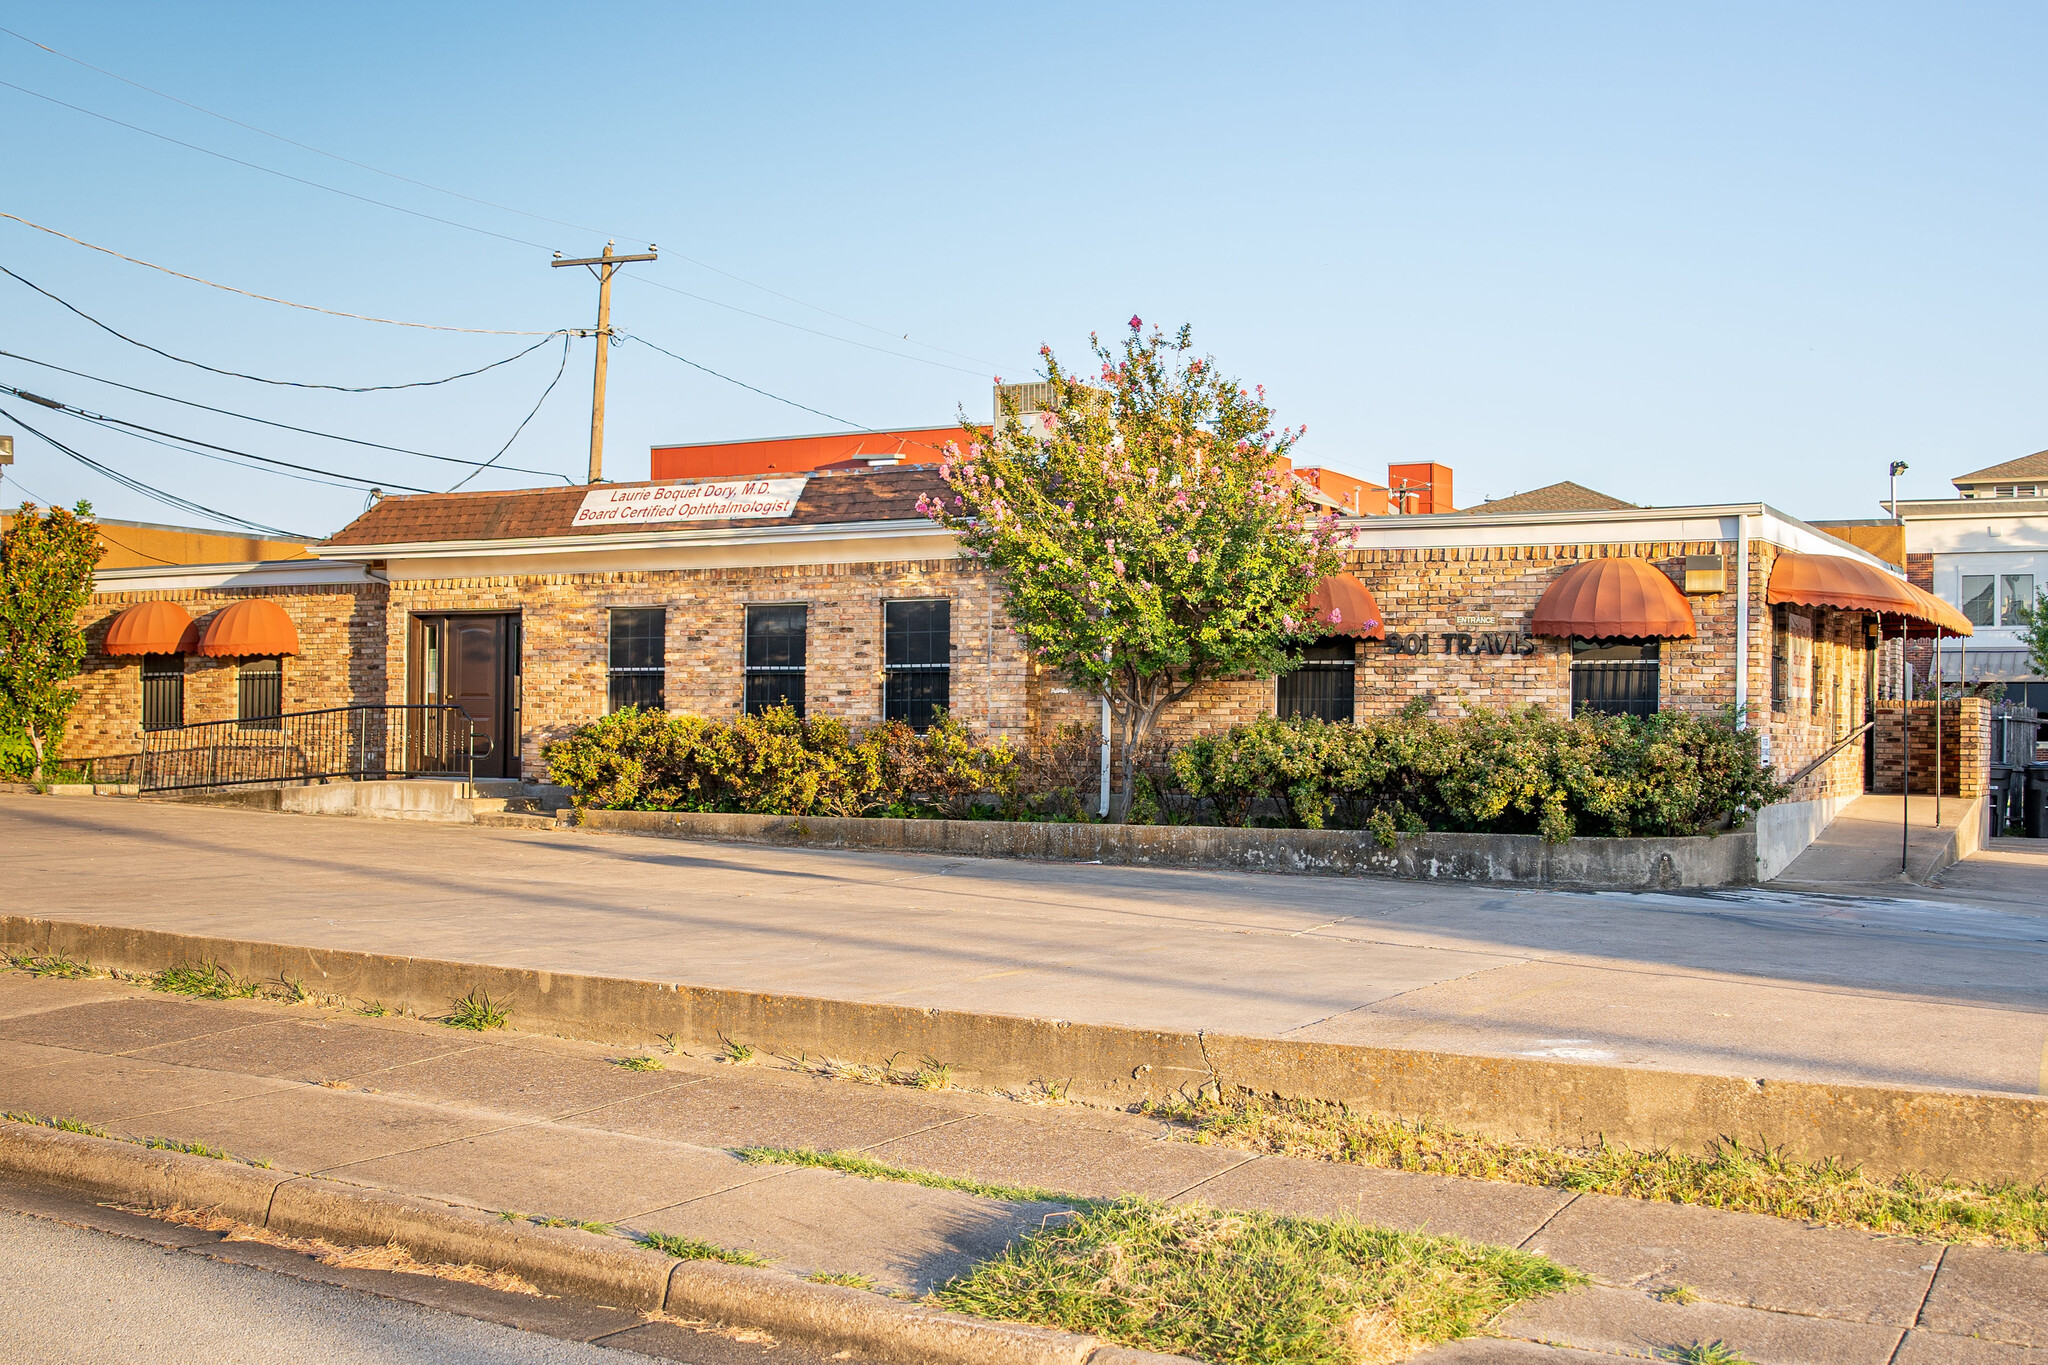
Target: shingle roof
(1557, 497)
(530, 513)
(2034, 466)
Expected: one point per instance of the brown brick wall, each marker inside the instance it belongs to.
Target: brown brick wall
(354, 643)
(1965, 746)
(1484, 590)
(564, 620)
(340, 661)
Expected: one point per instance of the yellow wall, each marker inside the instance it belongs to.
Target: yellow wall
(135, 545)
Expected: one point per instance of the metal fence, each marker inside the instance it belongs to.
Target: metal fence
(360, 742)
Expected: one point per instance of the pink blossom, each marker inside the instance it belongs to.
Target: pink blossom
(1336, 617)
(1287, 624)
(1192, 557)
(1136, 322)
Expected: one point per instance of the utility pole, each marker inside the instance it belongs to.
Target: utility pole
(602, 267)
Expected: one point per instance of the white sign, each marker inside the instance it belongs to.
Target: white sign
(731, 499)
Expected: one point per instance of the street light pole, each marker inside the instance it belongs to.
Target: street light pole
(1898, 468)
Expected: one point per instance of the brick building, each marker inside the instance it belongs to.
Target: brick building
(538, 610)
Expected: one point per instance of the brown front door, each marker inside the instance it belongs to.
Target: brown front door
(472, 661)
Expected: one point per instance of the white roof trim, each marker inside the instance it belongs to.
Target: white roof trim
(259, 573)
(644, 540)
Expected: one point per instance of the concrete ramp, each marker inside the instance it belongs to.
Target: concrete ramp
(1873, 842)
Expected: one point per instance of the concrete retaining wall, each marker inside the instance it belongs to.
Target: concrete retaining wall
(1724, 860)
(410, 799)
(1888, 1129)
(1783, 831)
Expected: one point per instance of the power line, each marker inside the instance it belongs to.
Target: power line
(136, 485)
(559, 370)
(763, 392)
(234, 464)
(457, 194)
(743, 384)
(259, 379)
(104, 420)
(292, 142)
(282, 426)
(282, 175)
(797, 326)
(267, 298)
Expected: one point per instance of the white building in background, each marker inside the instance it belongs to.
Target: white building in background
(1985, 552)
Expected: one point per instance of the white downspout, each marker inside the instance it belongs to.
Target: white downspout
(1103, 809)
(1742, 623)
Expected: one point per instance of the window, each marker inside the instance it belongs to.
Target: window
(638, 672)
(775, 656)
(1324, 686)
(1781, 646)
(163, 691)
(917, 656)
(2015, 594)
(1977, 601)
(1614, 677)
(259, 694)
(1817, 689)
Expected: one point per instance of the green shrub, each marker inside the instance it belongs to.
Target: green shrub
(778, 763)
(1506, 772)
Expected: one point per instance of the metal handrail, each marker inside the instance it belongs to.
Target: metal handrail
(1844, 743)
(359, 742)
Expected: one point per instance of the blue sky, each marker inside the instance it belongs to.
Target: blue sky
(1680, 254)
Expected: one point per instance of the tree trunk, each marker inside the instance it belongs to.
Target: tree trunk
(35, 740)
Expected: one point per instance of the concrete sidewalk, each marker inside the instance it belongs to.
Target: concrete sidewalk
(1765, 982)
(508, 1122)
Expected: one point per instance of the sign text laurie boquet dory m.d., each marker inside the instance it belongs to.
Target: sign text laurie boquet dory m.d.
(690, 502)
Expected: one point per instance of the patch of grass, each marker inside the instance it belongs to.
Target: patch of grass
(739, 1054)
(1731, 1176)
(62, 1125)
(1680, 1294)
(841, 1277)
(292, 991)
(477, 1011)
(372, 1009)
(1233, 1287)
(207, 980)
(934, 1075)
(1706, 1353)
(601, 1229)
(163, 1144)
(673, 1042)
(696, 1249)
(512, 1216)
(639, 1063)
(850, 1163)
(56, 965)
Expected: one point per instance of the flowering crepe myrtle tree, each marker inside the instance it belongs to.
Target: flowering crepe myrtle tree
(46, 564)
(1144, 533)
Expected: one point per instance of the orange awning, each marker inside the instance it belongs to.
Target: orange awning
(1342, 605)
(152, 628)
(1831, 581)
(251, 628)
(1945, 618)
(1622, 597)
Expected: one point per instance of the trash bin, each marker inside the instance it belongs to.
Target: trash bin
(2035, 823)
(1998, 801)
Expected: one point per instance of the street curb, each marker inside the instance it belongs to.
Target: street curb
(1885, 1129)
(556, 1261)
(834, 1316)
